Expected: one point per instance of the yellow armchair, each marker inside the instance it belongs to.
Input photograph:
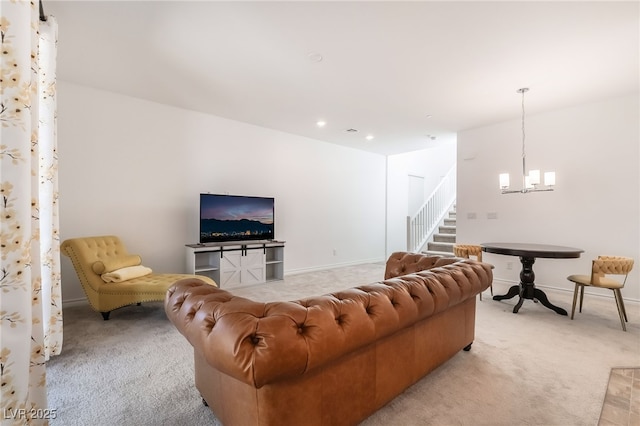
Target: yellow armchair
(93, 256)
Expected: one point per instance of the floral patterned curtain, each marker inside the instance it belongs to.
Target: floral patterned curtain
(30, 295)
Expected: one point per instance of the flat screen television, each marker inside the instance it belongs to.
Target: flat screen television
(236, 218)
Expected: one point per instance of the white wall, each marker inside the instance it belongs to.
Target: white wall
(432, 163)
(134, 168)
(594, 150)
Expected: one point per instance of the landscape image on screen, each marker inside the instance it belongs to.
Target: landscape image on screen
(235, 218)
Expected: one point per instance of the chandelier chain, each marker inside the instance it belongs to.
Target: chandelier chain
(523, 134)
(524, 156)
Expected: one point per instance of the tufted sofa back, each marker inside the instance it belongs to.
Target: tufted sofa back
(403, 263)
(259, 343)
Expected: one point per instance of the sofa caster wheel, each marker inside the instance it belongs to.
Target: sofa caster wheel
(204, 403)
(468, 347)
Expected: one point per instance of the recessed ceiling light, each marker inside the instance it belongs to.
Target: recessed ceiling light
(369, 137)
(428, 116)
(321, 123)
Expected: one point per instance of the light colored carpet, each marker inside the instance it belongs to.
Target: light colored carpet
(530, 368)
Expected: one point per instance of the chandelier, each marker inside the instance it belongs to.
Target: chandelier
(530, 182)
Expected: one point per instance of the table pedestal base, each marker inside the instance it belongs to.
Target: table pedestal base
(537, 295)
(527, 289)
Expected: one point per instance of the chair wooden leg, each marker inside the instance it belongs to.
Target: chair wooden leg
(480, 296)
(575, 298)
(618, 297)
(581, 296)
(624, 310)
(491, 287)
(105, 315)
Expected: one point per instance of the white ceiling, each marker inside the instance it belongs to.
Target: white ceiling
(386, 66)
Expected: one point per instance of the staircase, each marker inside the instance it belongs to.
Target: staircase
(445, 238)
(424, 223)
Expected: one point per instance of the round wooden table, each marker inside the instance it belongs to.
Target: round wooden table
(528, 254)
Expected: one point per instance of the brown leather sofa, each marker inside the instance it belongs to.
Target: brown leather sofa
(333, 359)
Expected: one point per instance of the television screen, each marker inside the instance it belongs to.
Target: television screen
(235, 218)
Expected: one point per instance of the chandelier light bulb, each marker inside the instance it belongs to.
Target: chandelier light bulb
(550, 178)
(504, 180)
(534, 177)
(527, 182)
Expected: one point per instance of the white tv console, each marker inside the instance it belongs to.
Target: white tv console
(237, 263)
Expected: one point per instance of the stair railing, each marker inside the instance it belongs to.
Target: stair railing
(422, 225)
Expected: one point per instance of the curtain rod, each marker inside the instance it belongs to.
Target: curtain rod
(43, 17)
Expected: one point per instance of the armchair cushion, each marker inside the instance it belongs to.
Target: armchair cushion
(113, 263)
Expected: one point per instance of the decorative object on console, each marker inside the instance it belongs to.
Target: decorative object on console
(333, 359)
(102, 253)
(530, 182)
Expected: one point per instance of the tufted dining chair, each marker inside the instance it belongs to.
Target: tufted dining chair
(601, 269)
(468, 251)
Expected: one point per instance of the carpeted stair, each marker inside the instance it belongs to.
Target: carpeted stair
(445, 238)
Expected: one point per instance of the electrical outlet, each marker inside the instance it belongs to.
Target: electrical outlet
(509, 265)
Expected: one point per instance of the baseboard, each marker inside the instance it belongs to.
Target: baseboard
(567, 290)
(333, 266)
(74, 302)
